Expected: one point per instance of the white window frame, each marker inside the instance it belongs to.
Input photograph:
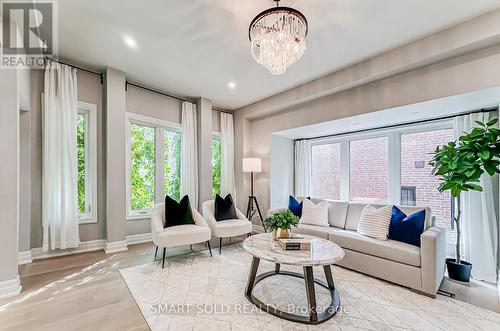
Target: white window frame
(90, 110)
(160, 126)
(394, 146)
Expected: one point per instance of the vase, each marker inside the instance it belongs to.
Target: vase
(281, 233)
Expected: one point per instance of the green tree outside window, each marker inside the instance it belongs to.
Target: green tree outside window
(172, 180)
(81, 126)
(142, 176)
(216, 171)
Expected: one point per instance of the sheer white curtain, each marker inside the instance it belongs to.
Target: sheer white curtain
(227, 182)
(59, 165)
(302, 168)
(479, 219)
(189, 157)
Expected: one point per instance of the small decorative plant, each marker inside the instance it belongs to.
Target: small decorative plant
(460, 165)
(281, 223)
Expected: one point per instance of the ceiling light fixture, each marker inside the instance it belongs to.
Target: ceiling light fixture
(231, 85)
(278, 37)
(130, 42)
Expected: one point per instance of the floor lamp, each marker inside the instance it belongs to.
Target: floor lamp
(253, 165)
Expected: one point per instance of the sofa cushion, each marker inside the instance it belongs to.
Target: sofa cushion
(232, 228)
(354, 213)
(180, 235)
(387, 249)
(407, 228)
(315, 214)
(314, 230)
(337, 211)
(375, 222)
(295, 206)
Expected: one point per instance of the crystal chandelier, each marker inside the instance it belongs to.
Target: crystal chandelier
(278, 37)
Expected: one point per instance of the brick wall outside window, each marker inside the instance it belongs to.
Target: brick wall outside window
(369, 171)
(418, 147)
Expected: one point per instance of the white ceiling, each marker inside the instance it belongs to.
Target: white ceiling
(196, 47)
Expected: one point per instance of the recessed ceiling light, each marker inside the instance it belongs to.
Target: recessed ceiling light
(231, 85)
(130, 42)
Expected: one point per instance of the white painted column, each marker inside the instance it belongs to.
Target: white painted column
(9, 179)
(204, 120)
(115, 107)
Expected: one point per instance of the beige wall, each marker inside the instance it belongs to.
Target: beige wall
(463, 65)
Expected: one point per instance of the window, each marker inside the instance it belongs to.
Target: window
(325, 171)
(153, 163)
(408, 196)
(416, 152)
(369, 170)
(172, 177)
(142, 162)
(86, 152)
(216, 169)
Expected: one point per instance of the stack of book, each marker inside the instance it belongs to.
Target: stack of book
(295, 244)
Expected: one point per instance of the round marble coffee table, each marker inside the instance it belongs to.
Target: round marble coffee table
(322, 253)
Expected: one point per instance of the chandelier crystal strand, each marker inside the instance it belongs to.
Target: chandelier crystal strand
(278, 38)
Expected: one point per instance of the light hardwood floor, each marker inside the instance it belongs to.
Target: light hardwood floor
(86, 292)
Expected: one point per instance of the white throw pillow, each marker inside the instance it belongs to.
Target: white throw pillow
(314, 214)
(375, 222)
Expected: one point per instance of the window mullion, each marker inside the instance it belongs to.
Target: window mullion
(344, 170)
(395, 168)
(159, 165)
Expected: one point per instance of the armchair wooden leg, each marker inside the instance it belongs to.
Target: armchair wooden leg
(163, 263)
(156, 252)
(209, 248)
(220, 245)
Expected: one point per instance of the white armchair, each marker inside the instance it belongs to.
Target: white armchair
(179, 235)
(226, 228)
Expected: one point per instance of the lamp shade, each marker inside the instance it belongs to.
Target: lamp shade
(252, 164)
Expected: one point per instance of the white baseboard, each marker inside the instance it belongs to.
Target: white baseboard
(85, 246)
(24, 257)
(139, 238)
(10, 288)
(115, 246)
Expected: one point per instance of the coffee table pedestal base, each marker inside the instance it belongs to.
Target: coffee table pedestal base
(314, 317)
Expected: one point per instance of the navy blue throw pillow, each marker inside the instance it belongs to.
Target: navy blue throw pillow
(405, 228)
(294, 206)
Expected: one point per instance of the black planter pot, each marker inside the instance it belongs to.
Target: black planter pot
(459, 271)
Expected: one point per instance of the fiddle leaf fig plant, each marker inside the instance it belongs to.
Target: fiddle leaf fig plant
(282, 220)
(460, 165)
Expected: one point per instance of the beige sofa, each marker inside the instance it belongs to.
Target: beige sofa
(419, 268)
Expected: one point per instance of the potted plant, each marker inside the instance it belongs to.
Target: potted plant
(281, 223)
(460, 165)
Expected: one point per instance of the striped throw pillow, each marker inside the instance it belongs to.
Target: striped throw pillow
(375, 222)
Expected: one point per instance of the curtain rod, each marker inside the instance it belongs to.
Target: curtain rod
(127, 83)
(483, 110)
(77, 67)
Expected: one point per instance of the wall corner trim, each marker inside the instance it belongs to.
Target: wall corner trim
(10, 288)
(24, 257)
(139, 238)
(115, 246)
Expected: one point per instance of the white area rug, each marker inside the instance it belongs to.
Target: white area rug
(196, 292)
